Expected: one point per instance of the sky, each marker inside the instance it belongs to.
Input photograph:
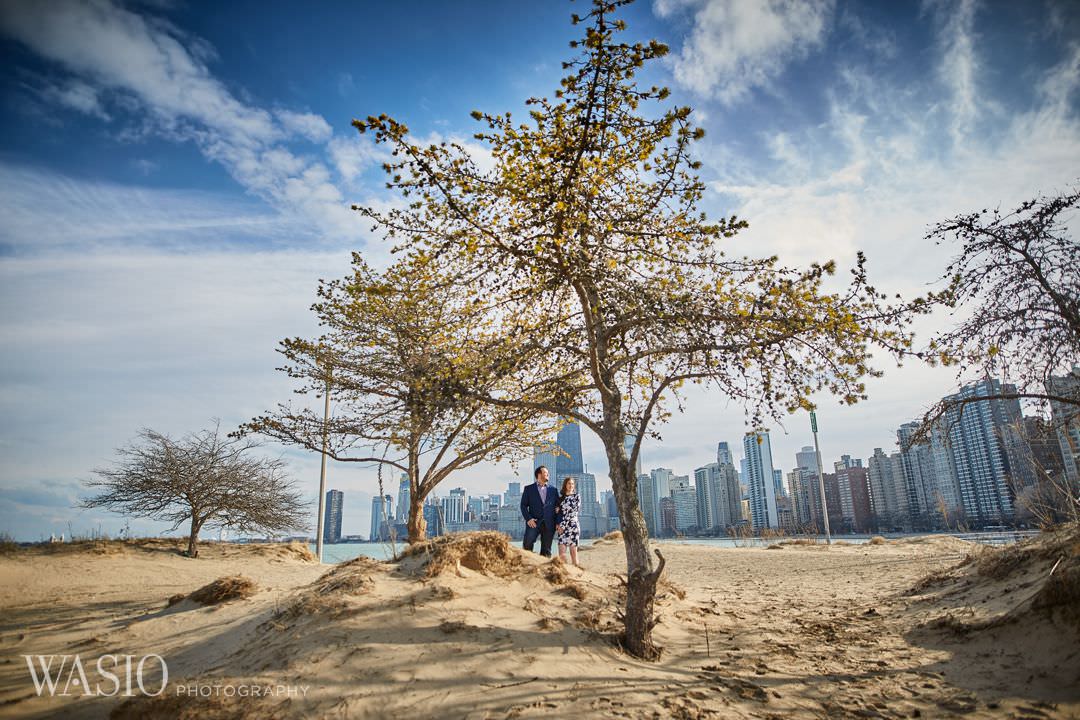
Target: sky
(176, 177)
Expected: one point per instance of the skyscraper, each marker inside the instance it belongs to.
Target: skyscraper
(381, 513)
(402, 512)
(335, 503)
(647, 501)
(887, 494)
(778, 482)
(723, 454)
(1065, 420)
(759, 464)
(682, 492)
(978, 441)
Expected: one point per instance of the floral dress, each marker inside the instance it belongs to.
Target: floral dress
(569, 509)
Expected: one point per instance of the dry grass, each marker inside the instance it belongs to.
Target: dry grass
(485, 552)
(998, 563)
(352, 577)
(613, 536)
(232, 587)
(774, 547)
(799, 541)
(877, 540)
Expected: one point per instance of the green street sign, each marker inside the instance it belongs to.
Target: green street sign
(813, 421)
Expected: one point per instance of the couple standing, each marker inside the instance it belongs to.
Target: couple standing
(547, 511)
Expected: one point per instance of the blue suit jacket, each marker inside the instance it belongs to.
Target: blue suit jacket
(533, 509)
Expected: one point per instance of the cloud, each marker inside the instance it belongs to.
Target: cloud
(76, 95)
(959, 65)
(308, 125)
(151, 65)
(45, 211)
(735, 46)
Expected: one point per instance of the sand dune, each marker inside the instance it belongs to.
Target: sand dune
(473, 628)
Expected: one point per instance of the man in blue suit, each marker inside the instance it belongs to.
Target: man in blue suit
(538, 503)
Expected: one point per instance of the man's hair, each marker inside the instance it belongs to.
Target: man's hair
(536, 472)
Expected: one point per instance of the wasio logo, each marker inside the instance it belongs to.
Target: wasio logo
(66, 675)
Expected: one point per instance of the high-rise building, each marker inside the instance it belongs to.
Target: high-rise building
(718, 496)
(570, 462)
(847, 494)
(453, 507)
(807, 458)
(1065, 420)
(762, 488)
(888, 494)
(647, 501)
(381, 515)
(682, 492)
(335, 503)
(778, 482)
(433, 516)
(723, 454)
(402, 512)
(590, 509)
(668, 523)
(979, 440)
(513, 495)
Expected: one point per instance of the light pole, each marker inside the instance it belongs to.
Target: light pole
(821, 479)
(322, 471)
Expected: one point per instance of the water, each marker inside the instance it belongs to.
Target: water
(381, 551)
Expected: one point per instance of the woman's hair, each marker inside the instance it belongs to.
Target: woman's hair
(565, 482)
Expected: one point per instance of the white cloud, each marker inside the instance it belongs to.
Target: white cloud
(960, 65)
(309, 125)
(76, 95)
(738, 45)
(142, 59)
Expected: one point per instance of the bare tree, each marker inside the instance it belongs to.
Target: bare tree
(1017, 276)
(204, 479)
(613, 294)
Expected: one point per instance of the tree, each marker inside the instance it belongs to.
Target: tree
(1017, 277)
(397, 346)
(611, 291)
(203, 479)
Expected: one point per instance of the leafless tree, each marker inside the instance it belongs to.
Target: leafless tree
(203, 479)
(1017, 275)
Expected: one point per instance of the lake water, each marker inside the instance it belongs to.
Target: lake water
(382, 551)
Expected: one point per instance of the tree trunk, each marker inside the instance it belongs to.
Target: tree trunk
(641, 578)
(193, 538)
(417, 525)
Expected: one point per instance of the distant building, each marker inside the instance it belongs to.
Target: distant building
(667, 517)
(888, 496)
(650, 508)
(335, 502)
(980, 441)
(381, 517)
(513, 495)
(685, 499)
(1066, 422)
(453, 507)
(433, 516)
(761, 482)
(402, 513)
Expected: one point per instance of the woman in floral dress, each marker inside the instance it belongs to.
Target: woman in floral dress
(566, 519)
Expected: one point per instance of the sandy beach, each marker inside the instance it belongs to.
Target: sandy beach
(930, 627)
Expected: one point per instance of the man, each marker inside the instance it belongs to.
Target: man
(538, 503)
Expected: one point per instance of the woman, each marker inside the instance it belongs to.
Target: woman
(566, 517)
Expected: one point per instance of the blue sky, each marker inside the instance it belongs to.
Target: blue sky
(174, 178)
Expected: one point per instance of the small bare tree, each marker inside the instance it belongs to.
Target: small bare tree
(202, 478)
(1018, 274)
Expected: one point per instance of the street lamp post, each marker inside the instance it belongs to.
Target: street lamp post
(821, 479)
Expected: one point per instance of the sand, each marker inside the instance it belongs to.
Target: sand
(803, 631)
